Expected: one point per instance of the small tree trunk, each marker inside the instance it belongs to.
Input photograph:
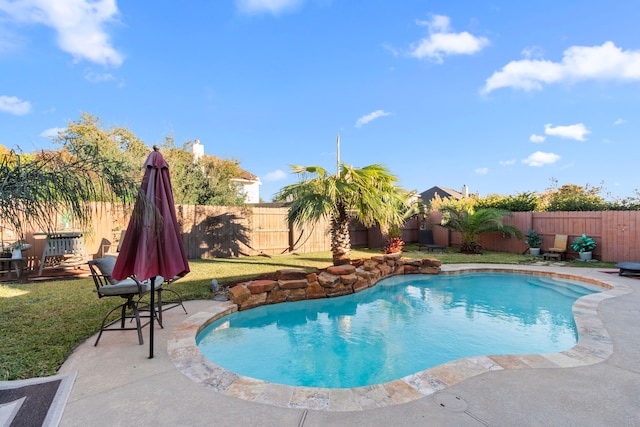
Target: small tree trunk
(340, 240)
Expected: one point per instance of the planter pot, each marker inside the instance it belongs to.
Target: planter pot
(534, 251)
(585, 256)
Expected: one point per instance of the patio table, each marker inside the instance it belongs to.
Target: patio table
(7, 265)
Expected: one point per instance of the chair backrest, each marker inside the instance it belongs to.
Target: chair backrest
(101, 269)
(108, 249)
(560, 242)
(99, 278)
(122, 233)
(425, 237)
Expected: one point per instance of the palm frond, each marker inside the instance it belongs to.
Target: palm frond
(35, 189)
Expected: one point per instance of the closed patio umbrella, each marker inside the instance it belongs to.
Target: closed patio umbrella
(152, 245)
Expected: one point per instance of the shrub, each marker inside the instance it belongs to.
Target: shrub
(533, 239)
(583, 244)
(395, 245)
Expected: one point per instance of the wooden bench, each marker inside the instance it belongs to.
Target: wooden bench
(63, 249)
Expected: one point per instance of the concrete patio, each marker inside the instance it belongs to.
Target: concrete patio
(117, 384)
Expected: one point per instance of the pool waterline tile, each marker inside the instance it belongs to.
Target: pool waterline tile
(594, 346)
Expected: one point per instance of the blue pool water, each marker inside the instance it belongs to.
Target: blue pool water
(403, 325)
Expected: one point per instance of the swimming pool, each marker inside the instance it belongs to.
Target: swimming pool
(403, 325)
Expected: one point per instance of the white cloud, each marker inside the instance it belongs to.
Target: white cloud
(507, 162)
(51, 132)
(619, 121)
(537, 138)
(79, 24)
(540, 159)
(275, 7)
(370, 117)
(532, 52)
(606, 62)
(577, 131)
(438, 24)
(277, 175)
(93, 77)
(482, 171)
(441, 42)
(14, 105)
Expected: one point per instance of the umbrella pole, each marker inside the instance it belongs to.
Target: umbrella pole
(153, 316)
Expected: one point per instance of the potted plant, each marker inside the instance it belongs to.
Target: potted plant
(584, 246)
(534, 240)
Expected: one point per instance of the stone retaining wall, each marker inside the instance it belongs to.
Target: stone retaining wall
(296, 285)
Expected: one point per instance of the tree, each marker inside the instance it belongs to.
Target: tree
(35, 188)
(521, 202)
(572, 197)
(369, 195)
(207, 181)
(204, 182)
(472, 223)
(117, 152)
(92, 164)
(630, 203)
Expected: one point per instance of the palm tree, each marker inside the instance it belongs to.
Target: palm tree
(472, 223)
(369, 195)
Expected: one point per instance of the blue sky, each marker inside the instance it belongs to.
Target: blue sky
(501, 96)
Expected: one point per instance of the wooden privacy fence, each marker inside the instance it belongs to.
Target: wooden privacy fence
(218, 231)
(617, 233)
(222, 231)
(207, 232)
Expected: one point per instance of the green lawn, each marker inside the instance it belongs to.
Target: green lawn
(41, 323)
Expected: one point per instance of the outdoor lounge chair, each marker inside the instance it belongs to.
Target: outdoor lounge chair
(425, 238)
(559, 248)
(132, 290)
(629, 268)
(107, 250)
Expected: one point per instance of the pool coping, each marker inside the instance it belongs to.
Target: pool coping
(594, 346)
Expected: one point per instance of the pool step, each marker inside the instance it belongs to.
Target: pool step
(567, 289)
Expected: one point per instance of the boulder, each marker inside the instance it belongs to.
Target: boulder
(259, 286)
(341, 270)
(315, 291)
(239, 294)
(291, 274)
(292, 284)
(328, 280)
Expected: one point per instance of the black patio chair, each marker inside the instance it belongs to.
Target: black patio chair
(132, 290)
(425, 238)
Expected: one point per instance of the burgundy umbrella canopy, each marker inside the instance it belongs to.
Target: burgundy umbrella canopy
(152, 245)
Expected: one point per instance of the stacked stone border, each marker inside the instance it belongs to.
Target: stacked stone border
(296, 285)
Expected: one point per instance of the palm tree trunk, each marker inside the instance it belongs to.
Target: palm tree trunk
(340, 240)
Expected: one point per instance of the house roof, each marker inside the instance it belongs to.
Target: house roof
(443, 192)
(248, 176)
